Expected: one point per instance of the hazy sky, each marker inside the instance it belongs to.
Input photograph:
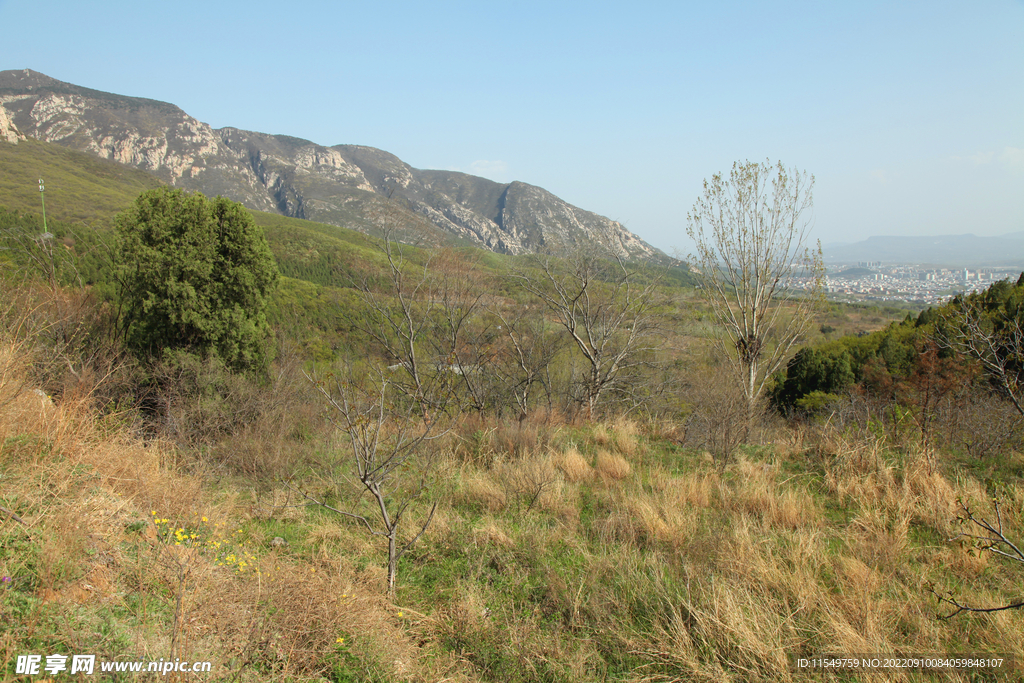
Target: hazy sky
(909, 114)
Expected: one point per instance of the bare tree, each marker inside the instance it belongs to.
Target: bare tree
(421, 315)
(996, 340)
(989, 536)
(420, 319)
(524, 361)
(388, 439)
(719, 418)
(752, 260)
(607, 308)
(981, 422)
(463, 340)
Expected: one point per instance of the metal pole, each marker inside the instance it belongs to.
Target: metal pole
(42, 197)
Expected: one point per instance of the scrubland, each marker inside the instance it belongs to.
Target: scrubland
(560, 549)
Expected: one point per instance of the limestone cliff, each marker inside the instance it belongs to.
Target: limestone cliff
(8, 131)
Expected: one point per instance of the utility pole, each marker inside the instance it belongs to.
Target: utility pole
(45, 242)
(42, 197)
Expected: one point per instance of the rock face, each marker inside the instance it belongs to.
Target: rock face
(343, 185)
(8, 132)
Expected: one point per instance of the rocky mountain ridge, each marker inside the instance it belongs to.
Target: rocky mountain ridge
(345, 185)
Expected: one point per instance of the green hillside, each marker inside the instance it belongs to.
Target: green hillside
(80, 188)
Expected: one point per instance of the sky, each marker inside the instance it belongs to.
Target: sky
(910, 115)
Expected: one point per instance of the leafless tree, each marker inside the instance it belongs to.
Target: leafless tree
(720, 419)
(391, 460)
(981, 423)
(607, 308)
(996, 340)
(462, 338)
(421, 320)
(987, 536)
(750, 230)
(523, 361)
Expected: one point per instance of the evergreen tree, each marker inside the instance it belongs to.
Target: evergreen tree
(195, 274)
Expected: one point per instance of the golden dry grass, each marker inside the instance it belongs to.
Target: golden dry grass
(756, 491)
(573, 466)
(480, 488)
(686, 573)
(611, 466)
(87, 495)
(624, 436)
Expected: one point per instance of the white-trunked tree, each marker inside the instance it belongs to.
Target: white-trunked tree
(754, 266)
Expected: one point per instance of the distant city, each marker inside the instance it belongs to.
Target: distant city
(870, 281)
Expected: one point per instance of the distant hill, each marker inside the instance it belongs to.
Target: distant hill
(945, 250)
(854, 273)
(344, 185)
(85, 192)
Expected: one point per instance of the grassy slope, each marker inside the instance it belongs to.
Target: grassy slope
(637, 561)
(83, 188)
(79, 187)
(320, 263)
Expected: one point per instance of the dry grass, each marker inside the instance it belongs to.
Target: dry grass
(695, 489)
(86, 494)
(680, 573)
(490, 532)
(531, 482)
(480, 488)
(624, 436)
(611, 466)
(757, 492)
(573, 466)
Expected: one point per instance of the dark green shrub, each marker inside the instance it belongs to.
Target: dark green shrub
(195, 274)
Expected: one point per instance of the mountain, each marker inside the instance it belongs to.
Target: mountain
(344, 185)
(946, 250)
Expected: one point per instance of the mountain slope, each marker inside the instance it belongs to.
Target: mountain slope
(344, 185)
(80, 188)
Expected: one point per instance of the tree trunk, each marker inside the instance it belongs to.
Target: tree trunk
(392, 562)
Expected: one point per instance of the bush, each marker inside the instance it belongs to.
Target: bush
(814, 371)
